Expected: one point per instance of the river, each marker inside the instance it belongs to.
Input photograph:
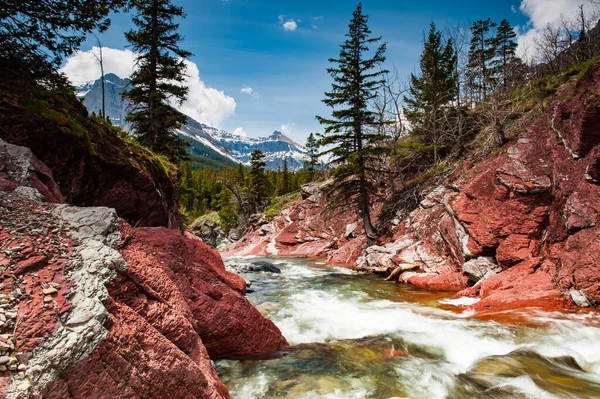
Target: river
(356, 336)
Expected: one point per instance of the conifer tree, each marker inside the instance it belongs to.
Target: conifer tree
(285, 179)
(258, 182)
(432, 92)
(349, 136)
(36, 35)
(506, 49)
(312, 148)
(158, 80)
(481, 53)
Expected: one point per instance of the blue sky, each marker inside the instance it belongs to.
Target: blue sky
(244, 44)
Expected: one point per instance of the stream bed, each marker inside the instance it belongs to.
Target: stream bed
(357, 336)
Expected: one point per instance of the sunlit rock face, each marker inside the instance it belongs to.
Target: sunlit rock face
(92, 307)
(530, 212)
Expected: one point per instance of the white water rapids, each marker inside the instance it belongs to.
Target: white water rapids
(359, 337)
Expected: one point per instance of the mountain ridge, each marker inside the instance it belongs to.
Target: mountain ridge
(209, 146)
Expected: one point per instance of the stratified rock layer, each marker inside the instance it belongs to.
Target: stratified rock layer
(92, 308)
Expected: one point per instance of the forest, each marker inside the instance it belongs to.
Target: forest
(387, 135)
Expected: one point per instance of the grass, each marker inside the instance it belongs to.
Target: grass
(280, 203)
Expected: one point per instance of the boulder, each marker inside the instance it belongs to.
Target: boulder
(580, 299)
(264, 267)
(90, 165)
(480, 269)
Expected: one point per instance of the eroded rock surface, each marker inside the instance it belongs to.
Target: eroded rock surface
(93, 308)
(519, 228)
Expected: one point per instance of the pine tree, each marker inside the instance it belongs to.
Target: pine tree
(258, 182)
(481, 53)
(157, 81)
(285, 179)
(312, 151)
(506, 49)
(36, 35)
(347, 136)
(433, 91)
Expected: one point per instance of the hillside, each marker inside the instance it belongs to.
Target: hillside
(518, 227)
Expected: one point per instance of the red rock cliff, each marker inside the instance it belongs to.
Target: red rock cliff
(520, 228)
(93, 308)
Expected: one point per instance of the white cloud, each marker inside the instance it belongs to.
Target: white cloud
(205, 104)
(540, 14)
(240, 132)
(287, 129)
(314, 26)
(82, 66)
(290, 25)
(249, 91)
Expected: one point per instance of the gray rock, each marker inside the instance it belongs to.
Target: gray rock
(91, 223)
(263, 267)
(580, 299)
(480, 269)
(267, 307)
(266, 229)
(350, 228)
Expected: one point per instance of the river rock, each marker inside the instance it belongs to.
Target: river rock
(267, 307)
(480, 269)
(261, 266)
(580, 299)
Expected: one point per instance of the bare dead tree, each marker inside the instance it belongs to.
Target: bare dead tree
(100, 58)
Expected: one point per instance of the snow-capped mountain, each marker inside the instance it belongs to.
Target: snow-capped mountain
(116, 107)
(219, 146)
(276, 147)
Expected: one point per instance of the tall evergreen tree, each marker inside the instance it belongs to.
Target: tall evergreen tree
(481, 53)
(258, 182)
(432, 92)
(312, 151)
(506, 49)
(159, 77)
(36, 35)
(347, 136)
(285, 179)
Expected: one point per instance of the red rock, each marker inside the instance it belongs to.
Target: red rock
(452, 281)
(94, 168)
(190, 278)
(137, 361)
(30, 264)
(515, 249)
(528, 284)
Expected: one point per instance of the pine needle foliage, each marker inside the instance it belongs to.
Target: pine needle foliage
(158, 81)
(350, 135)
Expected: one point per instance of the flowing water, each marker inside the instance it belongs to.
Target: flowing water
(356, 336)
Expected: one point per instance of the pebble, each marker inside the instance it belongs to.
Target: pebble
(92, 270)
(22, 367)
(24, 386)
(49, 291)
(4, 360)
(47, 299)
